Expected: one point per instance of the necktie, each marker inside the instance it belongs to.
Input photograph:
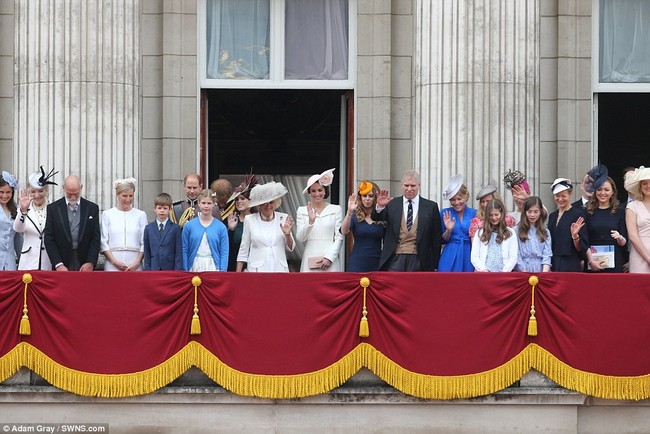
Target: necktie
(73, 206)
(409, 216)
(162, 227)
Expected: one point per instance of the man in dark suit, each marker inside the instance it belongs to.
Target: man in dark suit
(163, 248)
(413, 229)
(72, 234)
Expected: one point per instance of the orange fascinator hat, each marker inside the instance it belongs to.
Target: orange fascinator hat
(365, 187)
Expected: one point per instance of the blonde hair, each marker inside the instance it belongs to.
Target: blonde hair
(122, 185)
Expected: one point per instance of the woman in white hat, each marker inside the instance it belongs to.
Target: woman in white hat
(569, 237)
(31, 221)
(637, 219)
(267, 234)
(122, 229)
(456, 256)
(318, 226)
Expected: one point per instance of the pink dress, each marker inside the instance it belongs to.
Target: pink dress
(637, 263)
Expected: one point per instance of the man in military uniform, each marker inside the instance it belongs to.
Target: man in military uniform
(186, 209)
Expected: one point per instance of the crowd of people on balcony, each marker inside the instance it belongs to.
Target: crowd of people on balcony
(219, 229)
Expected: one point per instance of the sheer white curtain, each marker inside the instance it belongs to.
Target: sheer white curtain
(238, 39)
(625, 41)
(316, 39)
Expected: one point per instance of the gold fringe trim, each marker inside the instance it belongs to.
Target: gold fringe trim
(280, 386)
(600, 386)
(324, 380)
(106, 385)
(446, 387)
(11, 362)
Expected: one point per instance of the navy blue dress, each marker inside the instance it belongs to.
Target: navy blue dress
(367, 246)
(600, 223)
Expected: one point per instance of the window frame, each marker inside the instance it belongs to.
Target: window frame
(276, 78)
(597, 85)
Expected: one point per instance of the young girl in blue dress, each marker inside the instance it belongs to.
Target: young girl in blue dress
(533, 237)
(494, 247)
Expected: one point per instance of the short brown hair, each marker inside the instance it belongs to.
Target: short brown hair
(163, 199)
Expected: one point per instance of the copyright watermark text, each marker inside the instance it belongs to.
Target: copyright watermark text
(54, 427)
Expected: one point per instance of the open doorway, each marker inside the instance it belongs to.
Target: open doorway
(623, 133)
(284, 135)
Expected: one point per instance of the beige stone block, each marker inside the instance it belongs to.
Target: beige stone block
(402, 35)
(566, 124)
(566, 73)
(401, 160)
(172, 117)
(583, 76)
(400, 118)
(381, 111)
(6, 117)
(152, 76)
(548, 78)
(364, 35)
(548, 8)
(152, 34)
(149, 190)
(364, 118)
(172, 33)
(171, 75)
(189, 148)
(381, 34)
(365, 71)
(567, 7)
(6, 76)
(188, 76)
(189, 7)
(374, 7)
(402, 77)
(189, 112)
(567, 34)
(6, 7)
(583, 7)
(365, 7)
(548, 37)
(152, 150)
(381, 76)
(172, 164)
(548, 116)
(583, 37)
(152, 6)
(188, 23)
(7, 34)
(152, 117)
(172, 6)
(6, 148)
(584, 120)
(373, 160)
(402, 7)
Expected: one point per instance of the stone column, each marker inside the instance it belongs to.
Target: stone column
(77, 91)
(476, 92)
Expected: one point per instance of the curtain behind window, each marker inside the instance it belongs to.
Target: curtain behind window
(316, 39)
(238, 39)
(624, 41)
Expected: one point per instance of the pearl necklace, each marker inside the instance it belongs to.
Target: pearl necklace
(267, 219)
(41, 214)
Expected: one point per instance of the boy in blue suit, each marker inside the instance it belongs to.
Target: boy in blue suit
(163, 249)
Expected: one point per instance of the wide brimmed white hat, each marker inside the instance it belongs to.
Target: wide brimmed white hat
(269, 192)
(325, 179)
(561, 184)
(633, 180)
(453, 186)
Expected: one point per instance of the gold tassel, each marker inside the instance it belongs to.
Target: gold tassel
(195, 328)
(364, 331)
(25, 327)
(532, 321)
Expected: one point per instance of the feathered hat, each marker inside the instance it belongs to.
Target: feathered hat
(247, 185)
(269, 192)
(325, 179)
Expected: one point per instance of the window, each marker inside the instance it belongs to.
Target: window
(622, 54)
(278, 43)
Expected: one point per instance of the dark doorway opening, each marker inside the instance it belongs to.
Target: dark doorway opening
(278, 132)
(623, 133)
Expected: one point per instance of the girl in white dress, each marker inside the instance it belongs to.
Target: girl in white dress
(123, 230)
(318, 226)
